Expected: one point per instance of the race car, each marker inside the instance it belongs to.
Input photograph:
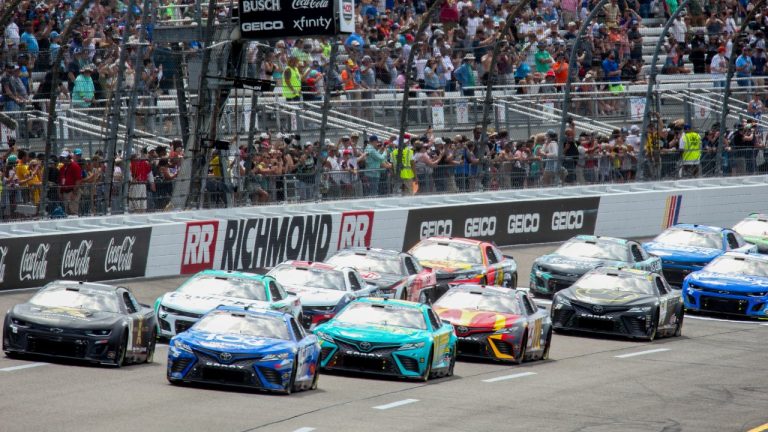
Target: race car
(82, 320)
(388, 337)
(395, 274)
(559, 270)
(323, 289)
(178, 310)
(734, 283)
(635, 303)
(754, 229)
(256, 348)
(458, 260)
(686, 248)
(497, 323)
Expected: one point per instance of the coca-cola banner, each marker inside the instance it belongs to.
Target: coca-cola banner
(273, 19)
(89, 256)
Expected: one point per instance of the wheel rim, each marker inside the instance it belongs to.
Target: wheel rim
(545, 356)
(521, 353)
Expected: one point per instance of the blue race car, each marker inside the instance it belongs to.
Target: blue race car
(261, 349)
(388, 337)
(734, 283)
(686, 248)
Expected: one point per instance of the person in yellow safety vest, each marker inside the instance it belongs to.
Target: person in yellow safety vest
(405, 163)
(292, 81)
(690, 145)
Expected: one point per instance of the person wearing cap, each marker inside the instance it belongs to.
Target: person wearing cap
(28, 38)
(755, 107)
(15, 95)
(543, 59)
(53, 48)
(404, 162)
(84, 90)
(375, 164)
(466, 75)
(744, 67)
(759, 62)
(549, 153)
(12, 39)
(70, 176)
(690, 146)
(718, 67)
(292, 81)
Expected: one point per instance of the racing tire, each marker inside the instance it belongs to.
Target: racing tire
(424, 297)
(548, 342)
(404, 294)
(679, 327)
(427, 373)
(151, 347)
(316, 378)
(12, 355)
(292, 387)
(654, 327)
(521, 354)
(484, 280)
(452, 364)
(513, 281)
(122, 351)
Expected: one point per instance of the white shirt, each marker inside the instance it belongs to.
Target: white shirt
(472, 25)
(12, 35)
(634, 141)
(679, 29)
(718, 66)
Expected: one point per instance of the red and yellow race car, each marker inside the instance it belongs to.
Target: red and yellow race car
(459, 260)
(496, 323)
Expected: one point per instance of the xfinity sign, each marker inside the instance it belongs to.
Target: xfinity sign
(278, 19)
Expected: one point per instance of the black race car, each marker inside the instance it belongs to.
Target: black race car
(634, 303)
(82, 320)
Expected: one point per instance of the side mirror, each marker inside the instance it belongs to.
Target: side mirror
(542, 307)
(447, 322)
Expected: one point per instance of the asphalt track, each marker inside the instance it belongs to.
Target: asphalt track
(713, 378)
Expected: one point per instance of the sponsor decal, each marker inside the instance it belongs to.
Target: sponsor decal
(75, 261)
(356, 229)
(262, 26)
(309, 4)
(277, 19)
(264, 243)
(672, 211)
(224, 366)
(91, 255)
(199, 246)
(507, 223)
(260, 6)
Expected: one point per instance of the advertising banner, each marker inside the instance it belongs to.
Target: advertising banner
(277, 19)
(505, 224)
(88, 256)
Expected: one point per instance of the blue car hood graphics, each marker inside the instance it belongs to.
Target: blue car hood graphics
(730, 282)
(374, 333)
(235, 343)
(681, 253)
(578, 265)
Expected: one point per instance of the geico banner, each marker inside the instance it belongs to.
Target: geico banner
(506, 223)
(270, 19)
(89, 256)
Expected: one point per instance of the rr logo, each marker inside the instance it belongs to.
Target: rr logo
(356, 228)
(199, 246)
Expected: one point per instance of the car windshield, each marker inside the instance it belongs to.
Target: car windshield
(690, 238)
(602, 250)
(390, 315)
(481, 302)
(368, 263)
(243, 324)
(623, 283)
(77, 298)
(752, 228)
(289, 275)
(445, 251)
(733, 265)
(203, 285)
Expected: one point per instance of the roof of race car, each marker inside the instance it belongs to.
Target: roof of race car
(699, 228)
(372, 251)
(254, 311)
(309, 265)
(484, 289)
(624, 271)
(758, 216)
(81, 284)
(456, 240)
(230, 273)
(600, 239)
(748, 256)
(391, 302)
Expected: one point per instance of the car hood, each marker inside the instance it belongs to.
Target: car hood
(577, 266)
(382, 280)
(478, 319)
(311, 296)
(732, 282)
(234, 343)
(203, 304)
(373, 332)
(448, 266)
(607, 297)
(681, 252)
(64, 316)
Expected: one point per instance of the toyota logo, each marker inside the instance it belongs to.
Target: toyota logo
(597, 309)
(461, 329)
(365, 346)
(225, 356)
(57, 330)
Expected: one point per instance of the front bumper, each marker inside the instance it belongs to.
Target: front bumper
(385, 360)
(171, 324)
(314, 315)
(488, 345)
(241, 371)
(548, 283)
(700, 298)
(69, 344)
(614, 321)
(675, 273)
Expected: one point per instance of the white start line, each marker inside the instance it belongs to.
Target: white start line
(395, 404)
(304, 429)
(639, 353)
(20, 367)
(704, 318)
(509, 377)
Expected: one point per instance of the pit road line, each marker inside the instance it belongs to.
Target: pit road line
(509, 377)
(395, 404)
(304, 429)
(20, 367)
(639, 353)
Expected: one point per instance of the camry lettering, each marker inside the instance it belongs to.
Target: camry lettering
(567, 220)
(360, 354)
(76, 261)
(436, 228)
(224, 366)
(523, 223)
(34, 264)
(480, 227)
(119, 256)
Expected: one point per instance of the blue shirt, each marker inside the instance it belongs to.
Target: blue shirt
(608, 67)
(741, 62)
(32, 46)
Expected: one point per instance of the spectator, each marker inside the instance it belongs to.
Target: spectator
(718, 67)
(690, 146)
(404, 163)
(292, 81)
(466, 75)
(140, 176)
(83, 91)
(70, 177)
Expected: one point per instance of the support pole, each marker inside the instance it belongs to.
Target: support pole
(649, 89)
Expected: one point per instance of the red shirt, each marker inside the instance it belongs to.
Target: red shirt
(70, 176)
(140, 170)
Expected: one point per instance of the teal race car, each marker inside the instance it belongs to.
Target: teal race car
(388, 337)
(562, 268)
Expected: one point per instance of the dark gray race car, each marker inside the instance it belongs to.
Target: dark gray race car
(82, 320)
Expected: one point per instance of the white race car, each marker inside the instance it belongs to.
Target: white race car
(178, 310)
(323, 289)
